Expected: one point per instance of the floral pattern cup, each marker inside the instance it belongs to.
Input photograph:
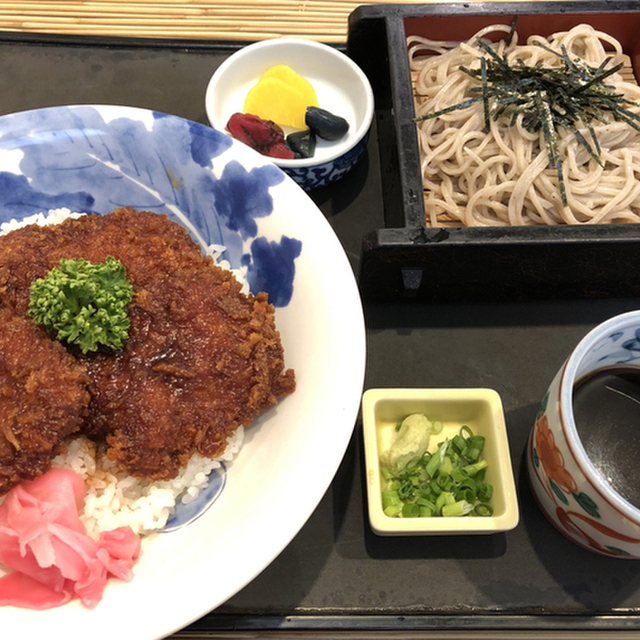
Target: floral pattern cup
(567, 486)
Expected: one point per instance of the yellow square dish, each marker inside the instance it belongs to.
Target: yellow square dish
(481, 410)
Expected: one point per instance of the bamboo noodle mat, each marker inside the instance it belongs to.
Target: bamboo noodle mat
(248, 20)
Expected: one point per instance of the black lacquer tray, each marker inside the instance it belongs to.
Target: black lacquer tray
(405, 259)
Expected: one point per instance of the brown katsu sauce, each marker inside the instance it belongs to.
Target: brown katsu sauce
(202, 358)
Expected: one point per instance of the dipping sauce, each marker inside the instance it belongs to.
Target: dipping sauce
(606, 407)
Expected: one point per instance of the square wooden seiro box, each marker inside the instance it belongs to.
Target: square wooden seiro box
(406, 259)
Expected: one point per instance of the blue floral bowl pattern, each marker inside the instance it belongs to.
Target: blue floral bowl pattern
(95, 158)
(323, 174)
(92, 159)
(186, 513)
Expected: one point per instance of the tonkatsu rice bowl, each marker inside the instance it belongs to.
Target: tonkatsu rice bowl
(285, 440)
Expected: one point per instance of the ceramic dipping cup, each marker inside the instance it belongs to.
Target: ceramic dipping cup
(576, 497)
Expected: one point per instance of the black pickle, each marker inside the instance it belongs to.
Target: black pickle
(302, 143)
(325, 124)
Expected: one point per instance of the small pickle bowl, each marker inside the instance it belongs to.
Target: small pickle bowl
(474, 411)
(341, 88)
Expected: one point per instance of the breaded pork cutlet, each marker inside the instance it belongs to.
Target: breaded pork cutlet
(201, 359)
(43, 399)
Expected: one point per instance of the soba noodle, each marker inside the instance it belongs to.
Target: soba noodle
(502, 177)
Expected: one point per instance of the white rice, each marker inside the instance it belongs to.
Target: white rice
(115, 499)
(54, 216)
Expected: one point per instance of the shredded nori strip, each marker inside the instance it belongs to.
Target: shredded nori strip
(549, 99)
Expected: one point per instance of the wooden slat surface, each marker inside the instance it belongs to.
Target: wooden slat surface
(323, 20)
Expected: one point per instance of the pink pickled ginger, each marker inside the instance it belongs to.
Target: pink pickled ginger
(45, 543)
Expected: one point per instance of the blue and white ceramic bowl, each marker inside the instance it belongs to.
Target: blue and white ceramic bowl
(96, 158)
(341, 86)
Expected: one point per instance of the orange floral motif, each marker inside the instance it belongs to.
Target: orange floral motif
(551, 458)
(565, 519)
(546, 453)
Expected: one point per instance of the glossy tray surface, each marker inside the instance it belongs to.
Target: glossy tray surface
(336, 575)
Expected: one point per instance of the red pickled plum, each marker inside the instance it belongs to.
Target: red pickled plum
(264, 136)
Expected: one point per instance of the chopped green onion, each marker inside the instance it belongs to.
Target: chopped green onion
(410, 510)
(433, 464)
(467, 494)
(446, 467)
(472, 469)
(483, 509)
(485, 492)
(441, 500)
(423, 502)
(393, 485)
(447, 482)
(465, 431)
(393, 510)
(390, 498)
(457, 509)
(458, 443)
(406, 490)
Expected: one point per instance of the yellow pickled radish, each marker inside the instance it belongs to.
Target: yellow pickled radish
(290, 77)
(281, 95)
